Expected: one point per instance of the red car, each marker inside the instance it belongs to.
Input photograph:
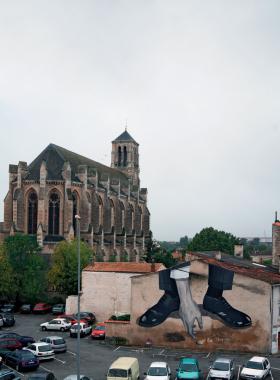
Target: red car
(10, 344)
(70, 318)
(99, 331)
(42, 308)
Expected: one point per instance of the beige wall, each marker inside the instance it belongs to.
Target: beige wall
(106, 293)
(250, 295)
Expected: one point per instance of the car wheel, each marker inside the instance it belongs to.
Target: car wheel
(44, 328)
(62, 329)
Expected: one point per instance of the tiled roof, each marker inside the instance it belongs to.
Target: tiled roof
(126, 267)
(125, 137)
(55, 157)
(247, 268)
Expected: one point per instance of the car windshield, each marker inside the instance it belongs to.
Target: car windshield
(44, 348)
(157, 371)
(220, 366)
(100, 328)
(117, 372)
(75, 327)
(59, 341)
(254, 365)
(188, 367)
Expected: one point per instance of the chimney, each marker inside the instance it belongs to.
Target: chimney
(276, 242)
(239, 250)
(218, 255)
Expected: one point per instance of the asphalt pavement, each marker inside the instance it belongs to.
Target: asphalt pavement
(97, 355)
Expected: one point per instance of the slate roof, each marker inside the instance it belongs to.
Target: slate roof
(55, 157)
(247, 268)
(127, 267)
(125, 137)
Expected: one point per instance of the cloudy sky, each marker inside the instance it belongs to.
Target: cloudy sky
(198, 82)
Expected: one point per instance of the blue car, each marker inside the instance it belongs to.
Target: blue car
(188, 369)
(22, 360)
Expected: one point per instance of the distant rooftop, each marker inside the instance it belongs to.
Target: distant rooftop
(125, 137)
(264, 273)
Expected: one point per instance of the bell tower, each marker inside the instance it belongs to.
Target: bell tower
(125, 156)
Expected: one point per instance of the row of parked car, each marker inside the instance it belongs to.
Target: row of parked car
(127, 368)
(38, 308)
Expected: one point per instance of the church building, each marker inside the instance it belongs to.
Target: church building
(45, 196)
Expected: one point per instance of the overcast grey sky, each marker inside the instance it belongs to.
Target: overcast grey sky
(198, 82)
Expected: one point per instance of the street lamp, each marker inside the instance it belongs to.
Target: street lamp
(77, 217)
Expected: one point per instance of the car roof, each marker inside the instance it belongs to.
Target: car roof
(223, 360)
(257, 359)
(40, 343)
(52, 337)
(188, 360)
(158, 364)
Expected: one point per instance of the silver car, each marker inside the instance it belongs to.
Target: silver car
(57, 343)
(222, 368)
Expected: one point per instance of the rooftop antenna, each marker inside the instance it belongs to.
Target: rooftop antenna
(126, 124)
(276, 219)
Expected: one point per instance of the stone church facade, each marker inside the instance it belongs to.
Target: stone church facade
(45, 196)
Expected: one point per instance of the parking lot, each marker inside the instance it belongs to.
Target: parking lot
(96, 356)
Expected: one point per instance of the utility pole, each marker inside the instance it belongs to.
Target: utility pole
(77, 217)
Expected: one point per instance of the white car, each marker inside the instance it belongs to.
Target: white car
(256, 368)
(85, 329)
(59, 324)
(158, 371)
(42, 350)
(222, 368)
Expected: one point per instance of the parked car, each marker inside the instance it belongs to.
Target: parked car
(42, 376)
(8, 308)
(158, 370)
(87, 316)
(42, 350)
(70, 318)
(24, 340)
(99, 331)
(59, 324)
(57, 343)
(222, 368)
(10, 344)
(124, 367)
(85, 329)
(8, 374)
(41, 308)
(59, 308)
(22, 360)
(8, 319)
(188, 369)
(257, 367)
(26, 308)
(3, 353)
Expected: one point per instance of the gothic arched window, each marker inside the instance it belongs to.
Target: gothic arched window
(119, 156)
(32, 213)
(54, 206)
(124, 156)
(75, 210)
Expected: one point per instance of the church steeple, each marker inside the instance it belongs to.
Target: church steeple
(125, 156)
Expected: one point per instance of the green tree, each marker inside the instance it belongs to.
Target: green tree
(27, 266)
(7, 284)
(62, 276)
(164, 257)
(210, 239)
(184, 241)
